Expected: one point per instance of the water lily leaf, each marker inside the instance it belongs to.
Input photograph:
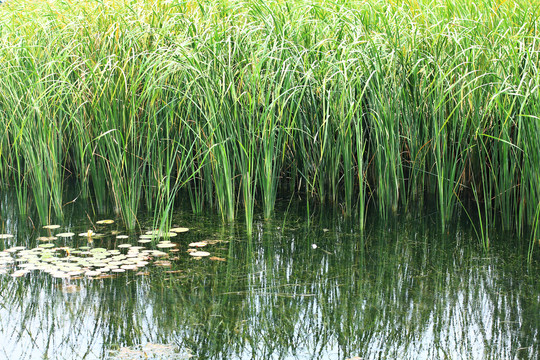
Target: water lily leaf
(65, 235)
(20, 273)
(179, 230)
(51, 227)
(199, 253)
(198, 244)
(129, 267)
(48, 245)
(213, 242)
(157, 253)
(6, 236)
(122, 236)
(118, 270)
(165, 245)
(215, 258)
(124, 246)
(105, 222)
(162, 263)
(60, 275)
(88, 233)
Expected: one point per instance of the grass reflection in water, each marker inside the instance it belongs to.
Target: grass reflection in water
(399, 290)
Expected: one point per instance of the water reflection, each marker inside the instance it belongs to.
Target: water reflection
(400, 290)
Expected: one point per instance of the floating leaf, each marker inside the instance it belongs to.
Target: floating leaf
(215, 258)
(179, 230)
(47, 238)
(198, 244)
(105, 222)
(65, 235)
(213, 242)
(124, 246)
(48, 245)
(129, 267)
(20, 273)
(89, 233)
(51, 227)
(122, 236)
(165, 245)
(199, 253)
(6, 236)
(162, 263)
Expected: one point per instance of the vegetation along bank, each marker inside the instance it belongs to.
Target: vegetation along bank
(231, 103)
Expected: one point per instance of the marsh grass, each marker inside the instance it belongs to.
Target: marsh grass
(348, 103)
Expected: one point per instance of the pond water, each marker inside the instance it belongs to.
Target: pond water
(302, 287)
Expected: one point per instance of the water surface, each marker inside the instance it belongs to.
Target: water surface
(302, 287)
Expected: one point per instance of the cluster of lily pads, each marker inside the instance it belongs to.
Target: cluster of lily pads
(90, 261)
(94, 262)
(67, 262)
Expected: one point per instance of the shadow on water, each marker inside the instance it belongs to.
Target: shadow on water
(293, 290)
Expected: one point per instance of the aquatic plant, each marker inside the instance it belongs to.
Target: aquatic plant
(349, 103)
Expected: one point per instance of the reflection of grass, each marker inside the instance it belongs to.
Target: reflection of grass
(373, 295)
(236, 100)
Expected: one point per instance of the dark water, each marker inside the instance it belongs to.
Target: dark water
(297, 289)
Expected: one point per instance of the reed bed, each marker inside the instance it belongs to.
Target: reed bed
(229, 104)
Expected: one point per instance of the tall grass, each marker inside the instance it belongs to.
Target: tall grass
(348, 103)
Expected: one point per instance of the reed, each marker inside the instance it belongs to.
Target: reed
(347, 103)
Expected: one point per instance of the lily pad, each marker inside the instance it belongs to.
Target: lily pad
(50, 227)
(105, 222)
(198, 244)
(20, 273)
(215, 258)
(6, 236)
(47, 245)
(47, 238)
(89, 233)
(124, 246)
(65, 235)
(122, 236)
(165, 245)
(179, 230)
(162, 263)
(199, 253)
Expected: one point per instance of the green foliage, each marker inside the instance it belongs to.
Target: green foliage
(345, 102)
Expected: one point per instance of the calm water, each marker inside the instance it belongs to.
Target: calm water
(296, 289)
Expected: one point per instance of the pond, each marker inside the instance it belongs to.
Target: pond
(301, 287)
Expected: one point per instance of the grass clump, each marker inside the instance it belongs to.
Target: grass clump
(235, 101)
